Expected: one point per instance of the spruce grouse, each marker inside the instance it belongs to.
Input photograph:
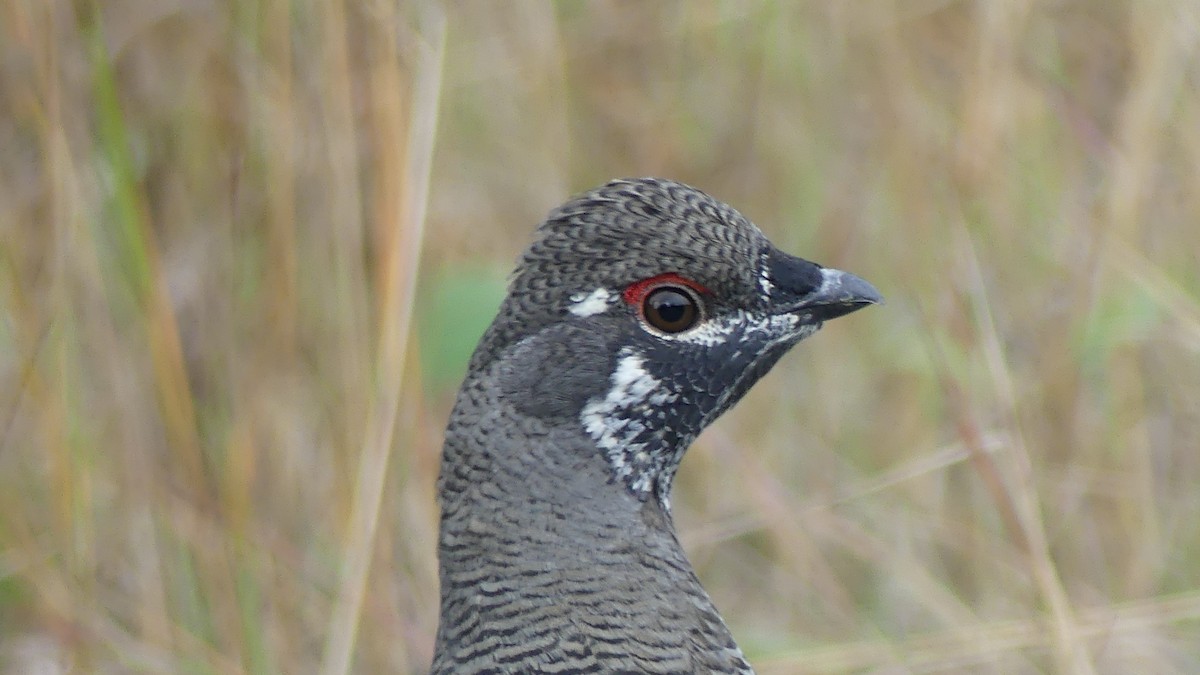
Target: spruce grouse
(642, 311)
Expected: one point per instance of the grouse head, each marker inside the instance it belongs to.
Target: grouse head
(642, 311)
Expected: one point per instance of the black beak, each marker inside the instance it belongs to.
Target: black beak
(839, 294)
(816, 293)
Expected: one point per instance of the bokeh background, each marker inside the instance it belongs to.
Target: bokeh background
(247, 247)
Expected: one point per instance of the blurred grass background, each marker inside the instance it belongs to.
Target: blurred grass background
(247, 247)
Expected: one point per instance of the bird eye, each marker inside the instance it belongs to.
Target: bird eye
(671, 309)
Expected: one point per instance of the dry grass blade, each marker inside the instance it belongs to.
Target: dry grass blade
(974, 646)
(220, 442)
(400, 257)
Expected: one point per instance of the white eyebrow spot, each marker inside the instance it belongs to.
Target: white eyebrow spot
(591, 304)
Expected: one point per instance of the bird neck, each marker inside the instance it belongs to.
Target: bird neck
(542, 543)
(508, 478)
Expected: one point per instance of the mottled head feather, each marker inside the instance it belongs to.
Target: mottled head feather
(622, 232)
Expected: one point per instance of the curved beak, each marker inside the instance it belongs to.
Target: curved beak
(839, 294)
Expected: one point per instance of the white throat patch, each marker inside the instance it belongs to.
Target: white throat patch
(615, 421)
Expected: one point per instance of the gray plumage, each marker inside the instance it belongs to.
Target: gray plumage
(557, 550)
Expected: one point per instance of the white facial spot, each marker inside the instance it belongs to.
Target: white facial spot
(592, 303)
(764, 280)
(720, 329)
(712, 332)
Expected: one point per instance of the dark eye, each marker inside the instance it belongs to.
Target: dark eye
(671, 309)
